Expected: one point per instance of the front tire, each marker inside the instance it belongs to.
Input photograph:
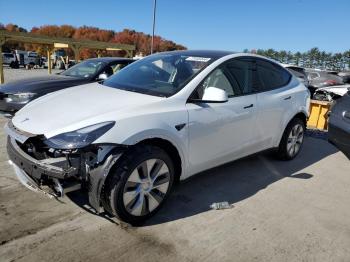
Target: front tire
(140, 183)
(292, 140)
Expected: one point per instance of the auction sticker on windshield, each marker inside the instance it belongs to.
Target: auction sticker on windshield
(197, 59)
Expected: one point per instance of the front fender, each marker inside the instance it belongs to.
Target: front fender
(176, 141)
(132, 130)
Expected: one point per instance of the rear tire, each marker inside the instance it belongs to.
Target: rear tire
(139, 184)
(292, 140)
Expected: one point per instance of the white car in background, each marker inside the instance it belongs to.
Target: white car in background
(8, 58)
(161, 119)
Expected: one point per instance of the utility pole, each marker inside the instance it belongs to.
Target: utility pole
(154, 23)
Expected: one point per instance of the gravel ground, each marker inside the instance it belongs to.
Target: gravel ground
(21, 73)
(283, 211)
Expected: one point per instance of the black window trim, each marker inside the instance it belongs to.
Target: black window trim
(196, 100)
(254, 59)
(223, 64)
(281, 67)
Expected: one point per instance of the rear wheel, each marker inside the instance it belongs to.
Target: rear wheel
(292, 140)
(139, 185)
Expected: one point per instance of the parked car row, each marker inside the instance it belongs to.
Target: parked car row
(15, 95)
(323, 85)
(330, 86)
(318, 79)
(127, 139)
(21, 58)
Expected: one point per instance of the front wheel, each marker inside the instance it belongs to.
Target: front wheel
(139, 185)
(292, 140)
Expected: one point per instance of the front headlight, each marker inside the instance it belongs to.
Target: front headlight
(79, 138)
(20, 97)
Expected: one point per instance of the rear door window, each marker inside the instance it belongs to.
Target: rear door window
(243, 72)
(297, 73)
(271, 76)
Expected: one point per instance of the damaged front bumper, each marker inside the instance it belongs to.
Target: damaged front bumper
(56, 176)
(28, 182)
(36, 168)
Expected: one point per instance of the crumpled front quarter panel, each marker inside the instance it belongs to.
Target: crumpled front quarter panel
(156, 121)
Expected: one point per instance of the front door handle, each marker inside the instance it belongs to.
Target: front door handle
(251, 105)
(287, 98)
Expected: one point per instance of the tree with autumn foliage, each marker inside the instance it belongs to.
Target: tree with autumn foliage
(141, 40)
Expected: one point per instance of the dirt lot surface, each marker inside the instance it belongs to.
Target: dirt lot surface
(283, 211)
(21, 73)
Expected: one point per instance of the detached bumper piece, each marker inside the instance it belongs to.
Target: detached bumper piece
(30, 171)
(28, 182)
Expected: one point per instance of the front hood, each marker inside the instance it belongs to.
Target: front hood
(41, 84)
(77, 107)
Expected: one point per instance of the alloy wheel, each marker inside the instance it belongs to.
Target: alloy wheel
(295, 140)
(146, 187)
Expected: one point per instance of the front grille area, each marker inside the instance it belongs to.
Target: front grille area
(35, 147)
(33, 144)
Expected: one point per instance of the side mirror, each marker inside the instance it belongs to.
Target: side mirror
(103, 76)
(214, 95)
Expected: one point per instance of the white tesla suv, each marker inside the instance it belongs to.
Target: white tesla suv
(166, 117)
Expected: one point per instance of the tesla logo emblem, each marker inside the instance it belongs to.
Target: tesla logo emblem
(26, 119)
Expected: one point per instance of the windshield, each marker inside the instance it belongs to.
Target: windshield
(159, 75)
(84, 69)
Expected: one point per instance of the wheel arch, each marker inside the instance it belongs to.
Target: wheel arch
(301, 115)
(170, 149)
(111, 163)
(104, 180)
(282, 148)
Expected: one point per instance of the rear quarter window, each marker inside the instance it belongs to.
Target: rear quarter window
(271, 75)
(297, 73)
(243, 71)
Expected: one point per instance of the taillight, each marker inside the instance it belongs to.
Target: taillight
(330, 82)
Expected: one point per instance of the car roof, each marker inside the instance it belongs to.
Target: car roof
(200, 53)
(110, 59)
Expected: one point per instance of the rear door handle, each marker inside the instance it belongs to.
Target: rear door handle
(287, 98)
(251, 105)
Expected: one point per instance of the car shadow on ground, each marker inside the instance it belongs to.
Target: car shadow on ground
(232, 182)
(238, 180)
